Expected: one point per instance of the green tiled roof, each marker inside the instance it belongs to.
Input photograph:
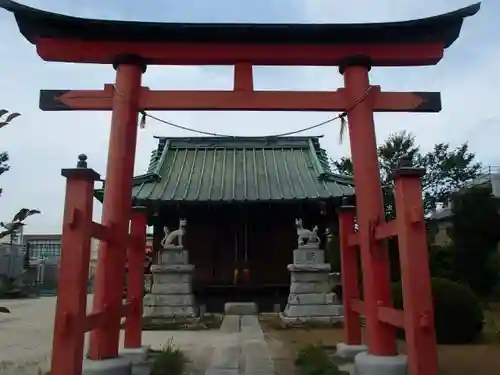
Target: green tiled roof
(239, 169)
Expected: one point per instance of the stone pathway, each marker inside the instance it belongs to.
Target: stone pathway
(246, 353)
(237, 348)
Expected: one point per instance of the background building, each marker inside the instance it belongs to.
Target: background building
(43, 246)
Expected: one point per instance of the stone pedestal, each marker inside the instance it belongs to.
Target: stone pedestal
(310, 299)
(171, 292)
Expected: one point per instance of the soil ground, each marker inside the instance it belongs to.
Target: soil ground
(482, 358)
(26, 338)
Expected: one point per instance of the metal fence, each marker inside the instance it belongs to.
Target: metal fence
(12, 260)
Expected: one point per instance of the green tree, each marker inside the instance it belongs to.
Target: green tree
(475, 237)
(17, 222)
(447, 169)
(4, 167)
(5, 119)
(343, 166)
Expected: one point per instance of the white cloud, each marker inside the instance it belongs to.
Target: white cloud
(41, 143)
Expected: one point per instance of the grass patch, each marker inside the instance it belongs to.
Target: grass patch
(207, 322)
(169, 360)
(314, 360)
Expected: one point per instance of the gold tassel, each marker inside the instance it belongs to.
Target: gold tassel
(142, 121)
(343, 126)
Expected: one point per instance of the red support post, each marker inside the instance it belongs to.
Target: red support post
(68, 340)
(415, 273)
(136, 256)
(110, 275)
(349, 275)
(381, 337)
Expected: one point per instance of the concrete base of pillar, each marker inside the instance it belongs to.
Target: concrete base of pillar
(136, 355)
(112, 366)
(369, 364)
(349, 351)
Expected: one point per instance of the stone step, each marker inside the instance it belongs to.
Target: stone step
(250, 354)
(250, 328)
(313, 310)
(257, 358)
(230, 324)
(240, 308)
(226, 357)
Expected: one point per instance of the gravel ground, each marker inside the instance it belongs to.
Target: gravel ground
(26, 338)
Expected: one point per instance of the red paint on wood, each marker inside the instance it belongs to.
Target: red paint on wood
(128, 97)
(358, 306)
(391, 316)
(68, 340)
(415, 276)
(382, 231)
(370, 211)
(385, 230)
(243, 98)
(71, 50)
(349, 275)
(102, 232)
(243, 77)
(135, 279)
(116, 210)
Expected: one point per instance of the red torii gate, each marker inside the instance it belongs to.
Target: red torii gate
(131, 46)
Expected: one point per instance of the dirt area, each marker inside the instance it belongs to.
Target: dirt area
(478, 359)
(26, 338)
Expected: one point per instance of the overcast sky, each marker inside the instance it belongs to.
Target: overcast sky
(41, 143)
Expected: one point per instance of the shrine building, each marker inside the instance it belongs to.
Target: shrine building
(240, 196)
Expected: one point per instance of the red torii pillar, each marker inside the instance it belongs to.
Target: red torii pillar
(374, 256)
(117, 205)
(71, 320)
(135, 278)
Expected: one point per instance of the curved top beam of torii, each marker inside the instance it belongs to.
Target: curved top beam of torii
(35, 23)
(64, 38)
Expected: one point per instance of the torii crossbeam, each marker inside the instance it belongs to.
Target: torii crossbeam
(131, 46)
(238, 100)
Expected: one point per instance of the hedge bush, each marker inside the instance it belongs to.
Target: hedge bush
(458, 312)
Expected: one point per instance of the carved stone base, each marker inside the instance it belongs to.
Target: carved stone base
(311, 299)
(171, 294)
(169, 311)
(313, 320)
